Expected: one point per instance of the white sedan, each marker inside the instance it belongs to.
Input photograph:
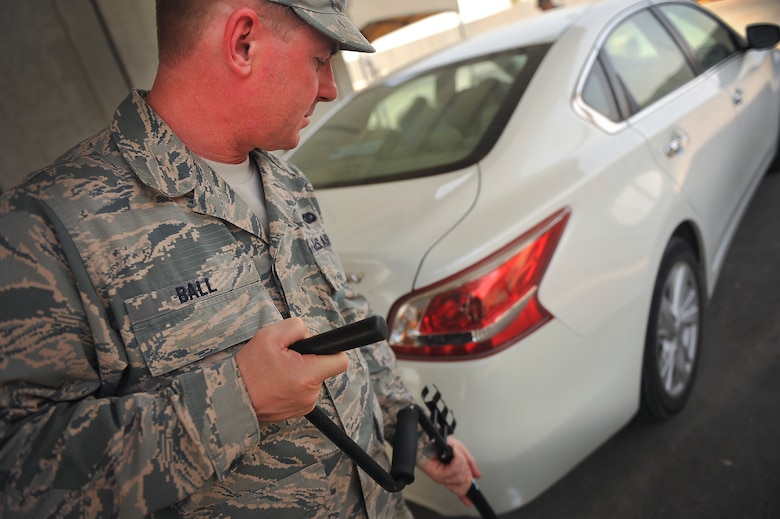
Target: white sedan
(542, 213)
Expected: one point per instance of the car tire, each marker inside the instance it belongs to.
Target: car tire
(774, 167)
(673, 337)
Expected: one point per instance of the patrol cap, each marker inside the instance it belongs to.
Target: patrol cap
(328, 17)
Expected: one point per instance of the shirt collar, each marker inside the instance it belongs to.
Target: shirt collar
(153, 151)
(161, 161)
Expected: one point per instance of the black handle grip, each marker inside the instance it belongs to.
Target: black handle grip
(405, 446)
(361, 333)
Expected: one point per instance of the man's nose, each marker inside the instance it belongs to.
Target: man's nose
(328, 90)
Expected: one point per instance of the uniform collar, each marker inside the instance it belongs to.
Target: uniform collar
(153, 151)
(161, 161)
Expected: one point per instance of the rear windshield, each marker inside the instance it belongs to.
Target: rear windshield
(442, 120)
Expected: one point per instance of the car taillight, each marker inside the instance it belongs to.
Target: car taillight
(482, 309)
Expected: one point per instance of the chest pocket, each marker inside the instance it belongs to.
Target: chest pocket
(178, 325)
(329, 264)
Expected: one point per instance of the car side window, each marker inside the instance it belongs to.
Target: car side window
(597, 93)
(647, 62)
(710, 40)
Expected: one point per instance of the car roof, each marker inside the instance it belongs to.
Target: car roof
(539, 29)
(543, 28)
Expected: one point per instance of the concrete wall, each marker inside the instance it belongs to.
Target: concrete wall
(61, 75)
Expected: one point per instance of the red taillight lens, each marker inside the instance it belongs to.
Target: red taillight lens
(482, 309)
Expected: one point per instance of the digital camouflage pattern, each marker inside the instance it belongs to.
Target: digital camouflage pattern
(129, 274)
(329, 17)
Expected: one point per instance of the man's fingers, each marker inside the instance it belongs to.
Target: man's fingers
(282, 383)
(466, 501)
(326, 366)
(459, 474)
(294, 329)
(470, 460)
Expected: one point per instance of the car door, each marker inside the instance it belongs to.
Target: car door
(743, 75)
(688, 120)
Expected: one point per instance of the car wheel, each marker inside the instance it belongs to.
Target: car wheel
(673, 334)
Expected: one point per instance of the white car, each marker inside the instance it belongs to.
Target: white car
(542, 212)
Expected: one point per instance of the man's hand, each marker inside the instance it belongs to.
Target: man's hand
(281, 382)
(458, 474)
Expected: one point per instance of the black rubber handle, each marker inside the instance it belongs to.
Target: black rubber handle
(405, 446)
(362, 333)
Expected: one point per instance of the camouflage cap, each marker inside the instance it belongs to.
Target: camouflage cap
(329, 17)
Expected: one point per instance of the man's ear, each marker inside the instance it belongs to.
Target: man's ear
(241, 39)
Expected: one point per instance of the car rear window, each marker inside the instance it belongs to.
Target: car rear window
(438, 121)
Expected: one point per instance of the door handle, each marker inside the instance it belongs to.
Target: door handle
(676, 145)
(737, 97)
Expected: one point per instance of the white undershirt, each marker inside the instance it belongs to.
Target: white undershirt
(245, 181)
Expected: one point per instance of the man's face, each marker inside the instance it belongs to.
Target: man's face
(294, 75)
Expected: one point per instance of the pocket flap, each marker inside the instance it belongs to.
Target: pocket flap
(178, 325)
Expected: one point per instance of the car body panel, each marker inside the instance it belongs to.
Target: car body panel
(577, 402)
(707, 118)
(382, 249)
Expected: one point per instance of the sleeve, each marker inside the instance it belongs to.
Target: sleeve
(69, 445)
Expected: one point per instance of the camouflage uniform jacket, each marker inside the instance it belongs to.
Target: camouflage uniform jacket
(129, 274)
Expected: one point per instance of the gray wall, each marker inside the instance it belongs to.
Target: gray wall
(65, 66)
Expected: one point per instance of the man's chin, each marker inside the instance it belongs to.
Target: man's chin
(293, 143)
(281, 144)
